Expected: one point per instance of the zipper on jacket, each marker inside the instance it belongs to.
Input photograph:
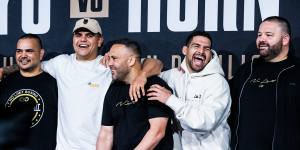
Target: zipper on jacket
(238, 117)
(276, 99)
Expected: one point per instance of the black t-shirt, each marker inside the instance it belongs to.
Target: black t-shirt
(130, 120)
(257, 107)
(36, 99)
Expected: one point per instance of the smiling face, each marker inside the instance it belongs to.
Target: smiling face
(28, 55)
(269, 40)
(198, 53)
(119, 61)
(86, 45)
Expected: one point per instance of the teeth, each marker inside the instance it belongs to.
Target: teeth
(83, 45)
(24, 61)
(263, 46)
(199, 57)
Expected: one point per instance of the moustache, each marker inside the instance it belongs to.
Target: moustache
(263, 44)
(24, 59)
(199, 55)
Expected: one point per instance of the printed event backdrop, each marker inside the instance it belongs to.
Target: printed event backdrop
(160, 26)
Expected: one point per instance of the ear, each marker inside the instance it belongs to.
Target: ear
(100, 41)
(286, 39)
(42, 52)
(131, 61)
(184, 50)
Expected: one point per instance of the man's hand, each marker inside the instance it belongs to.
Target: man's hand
(157, 92)
(105, 59)
(138, 86)
(1, 73)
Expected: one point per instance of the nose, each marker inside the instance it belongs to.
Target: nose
(83, 38)
(261, 38)
(200, 49)
(110, 62)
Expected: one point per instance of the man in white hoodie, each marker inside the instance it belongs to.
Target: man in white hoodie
(201, 98)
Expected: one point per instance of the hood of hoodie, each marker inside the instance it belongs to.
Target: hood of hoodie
(213, 67)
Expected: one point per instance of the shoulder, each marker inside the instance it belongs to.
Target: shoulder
(156, 80)
(172, 72)
(214, 81)
(63, 56)
(47, 76)
(115, 85)
(56, 61)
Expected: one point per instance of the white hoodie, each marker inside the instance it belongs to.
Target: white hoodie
(201, 102)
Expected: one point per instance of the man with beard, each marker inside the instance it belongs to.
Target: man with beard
(201, 99)
(29, 100)
(265, 92)
(127, 125)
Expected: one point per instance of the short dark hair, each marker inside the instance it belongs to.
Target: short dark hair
(284, 23)
(32, 36)
(131, 44)
(198, 33)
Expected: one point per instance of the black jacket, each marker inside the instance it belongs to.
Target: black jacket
(287, 114)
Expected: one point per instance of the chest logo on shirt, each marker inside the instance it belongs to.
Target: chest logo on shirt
(124, 103)
(262, 82)
(93, 85)
(27, 98)
(197, 96)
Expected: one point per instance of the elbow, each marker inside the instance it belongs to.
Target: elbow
(158, 135)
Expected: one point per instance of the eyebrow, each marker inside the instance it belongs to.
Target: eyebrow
(18, 49)
(196, 44)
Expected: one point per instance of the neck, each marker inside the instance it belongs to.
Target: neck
(133, 73)
(86, 58)
(31, 73)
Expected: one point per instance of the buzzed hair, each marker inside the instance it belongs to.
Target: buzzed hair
(198, 33)
(130, 44)
(283, 23)
(32, 36)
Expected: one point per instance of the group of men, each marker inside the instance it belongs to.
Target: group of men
(125, 106)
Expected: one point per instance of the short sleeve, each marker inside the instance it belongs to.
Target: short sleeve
(156, 108)
(51, 66)
(107, 118)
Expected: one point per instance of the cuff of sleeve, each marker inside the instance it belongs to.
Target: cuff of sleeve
(175, 104)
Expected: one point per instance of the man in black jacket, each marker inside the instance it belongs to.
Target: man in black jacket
(266, 93)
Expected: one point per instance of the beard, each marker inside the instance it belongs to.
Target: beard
(270, 52)
(195, 64)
